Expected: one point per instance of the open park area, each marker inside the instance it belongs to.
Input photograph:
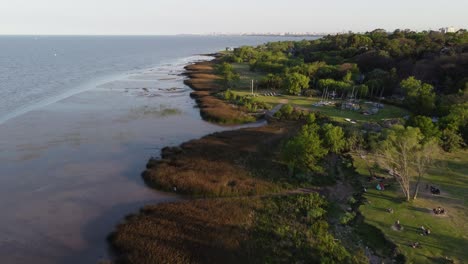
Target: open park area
(448, 234)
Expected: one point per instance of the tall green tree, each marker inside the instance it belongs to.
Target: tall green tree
(428, 128)
(333, 138)
(272, 81)
(305, 150)
(420, 97)
(295, 82)
(229, 77)
(406, 158)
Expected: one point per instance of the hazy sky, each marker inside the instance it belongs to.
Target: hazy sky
(122, 17)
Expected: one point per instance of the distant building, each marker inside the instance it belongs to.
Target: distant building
(448, 30)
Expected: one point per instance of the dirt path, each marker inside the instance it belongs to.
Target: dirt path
(271, 113)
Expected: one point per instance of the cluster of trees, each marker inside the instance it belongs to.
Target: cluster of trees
(294, 229)
(433, 57)
(428, 69)
(251, 104)
(230, 78)
(419, 97)
(306, 151)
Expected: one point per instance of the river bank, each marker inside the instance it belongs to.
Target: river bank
(206, 85)
(70, 171)
(243, 165)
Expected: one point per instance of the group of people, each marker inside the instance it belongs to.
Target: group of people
(416, 245)
(435, 191)
(439, 211)
(398, 225)
(425, 231)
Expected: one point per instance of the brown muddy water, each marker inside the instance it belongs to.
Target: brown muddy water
(71, 170)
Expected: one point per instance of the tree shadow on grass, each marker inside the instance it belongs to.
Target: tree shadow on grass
(382, 195)
(420, 209)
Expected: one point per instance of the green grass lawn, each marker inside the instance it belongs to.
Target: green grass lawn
(389, 111)
(449, 236)
(307, 102)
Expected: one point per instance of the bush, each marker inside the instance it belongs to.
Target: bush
(451, 140)
(288, 112)
(347, 217)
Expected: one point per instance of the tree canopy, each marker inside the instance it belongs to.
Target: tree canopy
(406, 157)
(295, 82)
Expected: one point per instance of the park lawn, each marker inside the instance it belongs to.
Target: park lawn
(388, 112)
(294, 100)
(449, 236)
(244, 88)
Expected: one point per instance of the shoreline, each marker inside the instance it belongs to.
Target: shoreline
(93, 141)
(203, 80)
(237, 172)
(220, 153)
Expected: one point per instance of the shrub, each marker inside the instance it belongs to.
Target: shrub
(347, 217)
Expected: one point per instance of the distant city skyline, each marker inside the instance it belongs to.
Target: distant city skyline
(173, 17)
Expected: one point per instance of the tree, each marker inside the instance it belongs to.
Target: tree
(405, 157)
(334, 138)
(451, 140)
(295, 82)
(229, 76)
(457, 120)
(362, 90)
(427, 127)
(305, 150)
(423, 159)
(272, 81)
(420, 97)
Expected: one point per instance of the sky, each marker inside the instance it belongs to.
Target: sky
(168, 17)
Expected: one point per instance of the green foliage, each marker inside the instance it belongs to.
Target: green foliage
(229, 77)
(451, 140)
(332, 85)
(311, 118)
(292, 229)
(354, 139)
(271, 81)
(381, 82)
(285, 111)
(305, 150)
(294, 83)
(428, 128)
(457, 120)
(249, 102)
(420, 97)
(406, 156)
(333, 138)
(347, 217)
(288, 112)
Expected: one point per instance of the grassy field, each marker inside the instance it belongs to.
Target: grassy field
(449, 237)
(388, 112)
(307, 102)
